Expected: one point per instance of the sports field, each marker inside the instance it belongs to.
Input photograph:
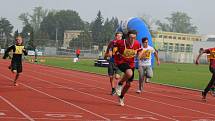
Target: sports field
(182, 75)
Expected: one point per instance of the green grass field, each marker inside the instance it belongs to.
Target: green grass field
(183, 75)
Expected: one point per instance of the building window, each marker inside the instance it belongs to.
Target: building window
(182, 47)
(179, 38)
(183, 38)
(160, 36)
(165, 46)
(174, 37)
(165, 36)
(170, 48)
(170, 37)
(189, 48)
(176, 47)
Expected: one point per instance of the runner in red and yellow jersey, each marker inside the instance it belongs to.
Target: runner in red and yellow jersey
(211, 57)
(124, 59)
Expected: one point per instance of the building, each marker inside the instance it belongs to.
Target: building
(175, 47)
(69, 35)
(174, 42)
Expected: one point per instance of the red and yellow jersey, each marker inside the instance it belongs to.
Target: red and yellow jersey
(211, 56)
(126, 53)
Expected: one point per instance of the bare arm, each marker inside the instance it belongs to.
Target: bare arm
(107, 50)
(157, 58)
(201, 52)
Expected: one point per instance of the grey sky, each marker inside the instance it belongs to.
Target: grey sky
(201, 11)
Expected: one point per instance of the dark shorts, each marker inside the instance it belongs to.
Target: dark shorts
(16, 66)
(112, 69)
(123, 67)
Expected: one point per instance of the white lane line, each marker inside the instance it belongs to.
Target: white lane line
(128, 94)
(94, 80)
(100, 97)
(60, 99)
(159, 102)
(17, 109)
(64, 101)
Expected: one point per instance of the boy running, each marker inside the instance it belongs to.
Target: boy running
(145, 66)
(211, 57)
(112, 68)
(126, 51)
(16, 62)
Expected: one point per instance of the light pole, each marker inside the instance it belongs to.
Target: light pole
(56, 37)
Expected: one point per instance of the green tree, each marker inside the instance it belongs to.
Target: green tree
(178, 22)
(110, 27)
(57, 22)
(97, 28)
(28, 34)
(5, 32)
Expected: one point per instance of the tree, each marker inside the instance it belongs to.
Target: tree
(32, 24)
(97, 28)
(24, 17)
(5, 31)
(178, 22)
(109, 29)
(28, 34)
(148, 20)
(57, 22)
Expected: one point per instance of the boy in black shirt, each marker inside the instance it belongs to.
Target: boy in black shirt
(16, 62)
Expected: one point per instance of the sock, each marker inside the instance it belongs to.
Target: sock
(120, 83)
(121, 96)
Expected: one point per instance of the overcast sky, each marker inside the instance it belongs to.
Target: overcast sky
(202, 12)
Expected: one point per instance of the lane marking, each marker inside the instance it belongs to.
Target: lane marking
(2, 114)
(59, 99)
(99, 97)
(159, 102)
(64, 101)
(138, 117)
(17, 109)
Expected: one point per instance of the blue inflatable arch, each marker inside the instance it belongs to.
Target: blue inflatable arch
(137, 24)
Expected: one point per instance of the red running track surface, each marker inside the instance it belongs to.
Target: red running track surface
(48, 94)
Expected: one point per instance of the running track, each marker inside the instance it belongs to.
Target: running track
(52, 94)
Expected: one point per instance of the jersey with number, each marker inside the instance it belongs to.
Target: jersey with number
(145, 55)
(18, 50)
(126, 53)
(211, 56)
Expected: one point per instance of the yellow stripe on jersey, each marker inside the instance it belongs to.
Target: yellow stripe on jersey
(19, 49)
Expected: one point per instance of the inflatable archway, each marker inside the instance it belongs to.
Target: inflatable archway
(141, 28)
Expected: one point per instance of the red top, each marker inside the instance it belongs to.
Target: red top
(78, 51)
(126, 53)
(211, 51)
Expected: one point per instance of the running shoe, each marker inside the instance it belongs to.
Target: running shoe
(203, 96)
(138, 91)
(113, 92)
(121, 101)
